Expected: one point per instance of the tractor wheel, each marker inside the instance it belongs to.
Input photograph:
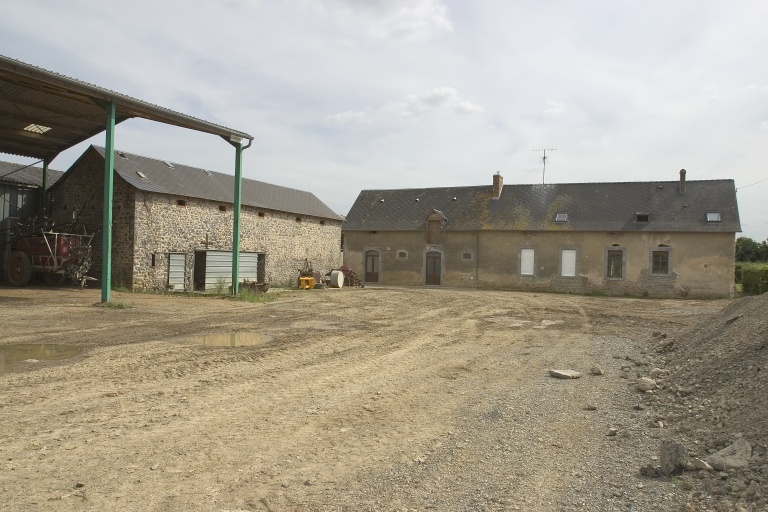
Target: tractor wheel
(54, 279)
(18, 270)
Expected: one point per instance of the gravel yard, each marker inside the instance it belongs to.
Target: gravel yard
(343, 399)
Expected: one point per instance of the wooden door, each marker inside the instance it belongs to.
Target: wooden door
(434, 268)
(372, 267)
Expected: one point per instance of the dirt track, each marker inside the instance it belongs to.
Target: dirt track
(356, 399)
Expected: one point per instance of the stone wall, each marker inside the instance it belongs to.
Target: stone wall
(80, 193)
(164, 226)
(149, 226)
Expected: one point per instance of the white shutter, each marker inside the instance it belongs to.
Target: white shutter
(176, 270)
(568, 263)
(526, 262)
(249, 266)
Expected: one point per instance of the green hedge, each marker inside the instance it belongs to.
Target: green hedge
(753, 278)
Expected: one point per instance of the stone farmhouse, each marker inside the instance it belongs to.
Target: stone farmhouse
(657, 239)
(172, 224)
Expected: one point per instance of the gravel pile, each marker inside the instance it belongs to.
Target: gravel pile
(715, 404)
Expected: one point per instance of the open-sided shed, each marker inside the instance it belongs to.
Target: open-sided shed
(43, 113)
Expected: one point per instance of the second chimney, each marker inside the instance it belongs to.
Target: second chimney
(682, 181)
(498, 183)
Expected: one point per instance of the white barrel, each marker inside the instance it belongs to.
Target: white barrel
(337, 279)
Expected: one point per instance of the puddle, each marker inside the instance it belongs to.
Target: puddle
(237, 339)
(34, 352)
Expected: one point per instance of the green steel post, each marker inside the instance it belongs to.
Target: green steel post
(236, 227)
(106, 236)
(44, 195)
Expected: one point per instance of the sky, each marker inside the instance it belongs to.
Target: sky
(343, 95)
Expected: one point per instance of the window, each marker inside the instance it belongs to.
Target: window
(181, 202)
(298, 219)
(467, 256)
(561, 217)
(568, 263)
(402, 255)
(322, 223)
(222, 208)
(261, 214)
(642, 217)
(661, 260)
(714, 217)
(434, 227)
(614, 263)
(527, 261)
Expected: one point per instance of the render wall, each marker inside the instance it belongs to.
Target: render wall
(701, 264)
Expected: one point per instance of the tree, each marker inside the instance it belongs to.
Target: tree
(749, 250)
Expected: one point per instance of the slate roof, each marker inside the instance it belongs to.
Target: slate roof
(590, 207)
(21, 174)
(185, 181)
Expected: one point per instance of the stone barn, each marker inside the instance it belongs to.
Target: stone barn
(659, 239)
(172, 224)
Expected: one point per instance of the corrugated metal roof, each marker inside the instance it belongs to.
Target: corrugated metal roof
(186, 181)
(590, 207)
(21, 174)
(71, 109)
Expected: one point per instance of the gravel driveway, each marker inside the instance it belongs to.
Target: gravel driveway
(350, 399)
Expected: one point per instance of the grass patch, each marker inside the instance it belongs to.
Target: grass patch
(247, 295)
(118, 305)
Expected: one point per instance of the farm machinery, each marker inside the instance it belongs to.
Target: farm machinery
(57, 255)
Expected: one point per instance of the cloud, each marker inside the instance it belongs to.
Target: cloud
(418, 105)
(347, 118)
(713, 93)
(554, 108)
(408, 20)
(764, 126)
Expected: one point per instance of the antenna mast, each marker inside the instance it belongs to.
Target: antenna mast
(544, 160)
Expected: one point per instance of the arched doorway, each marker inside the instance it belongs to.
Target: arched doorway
(434, 268)
(372, 267)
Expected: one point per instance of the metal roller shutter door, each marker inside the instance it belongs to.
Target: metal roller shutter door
(218, 265)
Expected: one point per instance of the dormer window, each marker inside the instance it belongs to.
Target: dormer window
(435, 221)
(561, 217)
(714, 217)
(642, 217)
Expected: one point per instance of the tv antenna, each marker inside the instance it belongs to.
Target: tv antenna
(544, 160)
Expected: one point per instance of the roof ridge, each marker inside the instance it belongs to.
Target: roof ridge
(649, 182)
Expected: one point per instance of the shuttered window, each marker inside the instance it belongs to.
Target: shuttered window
(526, 261)
(568, 263)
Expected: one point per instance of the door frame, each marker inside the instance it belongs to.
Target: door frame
(378, 266)
(427, 257)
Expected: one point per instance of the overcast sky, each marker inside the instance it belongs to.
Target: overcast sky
(345, 95)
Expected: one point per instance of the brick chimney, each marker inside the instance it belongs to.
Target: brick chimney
(682, 181)
(498, 183)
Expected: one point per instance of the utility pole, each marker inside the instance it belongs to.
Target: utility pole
(544, 160)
